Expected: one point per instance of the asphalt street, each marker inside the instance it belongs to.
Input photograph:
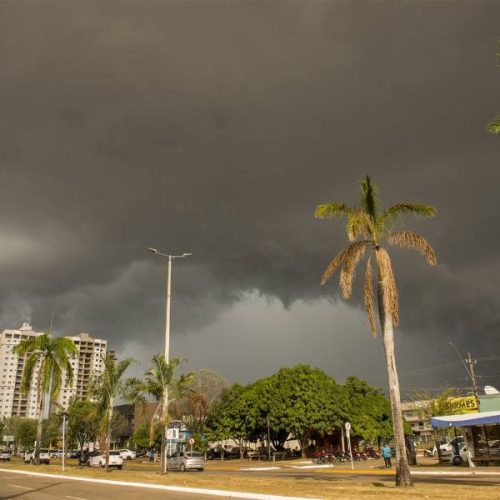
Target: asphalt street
(23, 487)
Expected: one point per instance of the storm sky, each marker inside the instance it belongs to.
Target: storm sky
(216, 128)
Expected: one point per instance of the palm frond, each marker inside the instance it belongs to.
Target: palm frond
(493, 127)
(28, 371)
(359, 225)
(369, 196)
(334, 264)
(407, 208)
(331, 210)
(390, 298)
(369, 300)
(354, 254)
(409, 239)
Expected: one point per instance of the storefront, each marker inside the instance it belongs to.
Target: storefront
(481, 432)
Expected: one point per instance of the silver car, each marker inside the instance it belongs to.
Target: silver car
(186, 460)
(5, 455)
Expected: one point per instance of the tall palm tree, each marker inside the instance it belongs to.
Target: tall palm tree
(47, 361)
(160, 383)
(106, 388)
(368, 228)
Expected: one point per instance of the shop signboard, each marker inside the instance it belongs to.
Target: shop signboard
(466, 404)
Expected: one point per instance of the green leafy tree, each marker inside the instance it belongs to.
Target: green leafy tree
(141, 438)
(161, 383)
(369, 228)
(106, 389)
(83, 422)
(302, 400)
(25, 434)
(47, 361)
(51, 431)
(369, 411)
(234, 416)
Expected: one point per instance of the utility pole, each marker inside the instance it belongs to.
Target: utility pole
(471, 362)
(469, 368)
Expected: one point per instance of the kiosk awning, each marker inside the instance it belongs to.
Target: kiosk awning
(484, 418)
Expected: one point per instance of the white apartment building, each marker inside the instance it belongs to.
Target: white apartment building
(12, 403)
(88, 362)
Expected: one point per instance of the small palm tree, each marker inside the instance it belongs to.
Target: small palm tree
(106, 388)
(368, 227)
(160, 383)
(47, 360)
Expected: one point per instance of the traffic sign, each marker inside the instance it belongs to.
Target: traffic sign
(172, 433)
(191, 441)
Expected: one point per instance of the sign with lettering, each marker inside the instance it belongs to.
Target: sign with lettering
(467, 404)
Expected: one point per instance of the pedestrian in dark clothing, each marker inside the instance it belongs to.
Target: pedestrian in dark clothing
(386, 453)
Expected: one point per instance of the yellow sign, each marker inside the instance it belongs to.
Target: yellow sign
(464, 405)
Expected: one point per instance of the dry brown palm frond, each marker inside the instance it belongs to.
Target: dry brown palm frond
(409, 239)
(388, 283)
(354, 253)
(337, 260)
(369, 302)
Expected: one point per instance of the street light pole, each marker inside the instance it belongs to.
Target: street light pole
(170, 257)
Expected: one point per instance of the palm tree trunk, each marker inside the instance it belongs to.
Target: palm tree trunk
(403, 476)
(108, 432)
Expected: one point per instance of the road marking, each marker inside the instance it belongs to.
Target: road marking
(161, 487)
(75, 498)
(22, 487)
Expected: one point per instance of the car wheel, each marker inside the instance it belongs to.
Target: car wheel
(88, 463)
(119, 467)
(457, 460)
(200, 470)
(31, 461)
(101, 465)
(182, 468)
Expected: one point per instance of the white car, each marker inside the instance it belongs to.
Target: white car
(98, 459)
(127, 454)
(29, 456)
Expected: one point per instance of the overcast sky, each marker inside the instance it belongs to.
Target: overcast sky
(216, 128)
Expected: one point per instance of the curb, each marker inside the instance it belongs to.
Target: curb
(152, 486)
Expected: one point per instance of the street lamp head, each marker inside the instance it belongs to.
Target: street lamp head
(152, 250)
(186, 254)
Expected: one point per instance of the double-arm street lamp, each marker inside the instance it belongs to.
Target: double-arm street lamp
(170, 258)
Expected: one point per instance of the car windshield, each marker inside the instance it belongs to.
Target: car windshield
(114, 453)
(193, 454)
(44, 451)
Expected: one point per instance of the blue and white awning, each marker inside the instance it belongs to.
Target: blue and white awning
(484, 418)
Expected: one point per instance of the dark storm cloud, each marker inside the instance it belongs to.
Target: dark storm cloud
(216, 127)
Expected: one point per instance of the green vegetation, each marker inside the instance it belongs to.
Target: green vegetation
(107, 387)
(298, 402)
(47, 359)
(368, 227)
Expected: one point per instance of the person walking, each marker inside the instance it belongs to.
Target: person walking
(386, 453)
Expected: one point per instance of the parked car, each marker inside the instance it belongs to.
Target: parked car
(186, 460)
(55, 453)
(127, 454)
(452, 458)
(98, 459)
(29, 456)
(5, 455)
(228, 451)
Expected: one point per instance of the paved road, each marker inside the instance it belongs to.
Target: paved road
(18, 486)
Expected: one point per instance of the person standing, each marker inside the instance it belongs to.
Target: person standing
(386, 453)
